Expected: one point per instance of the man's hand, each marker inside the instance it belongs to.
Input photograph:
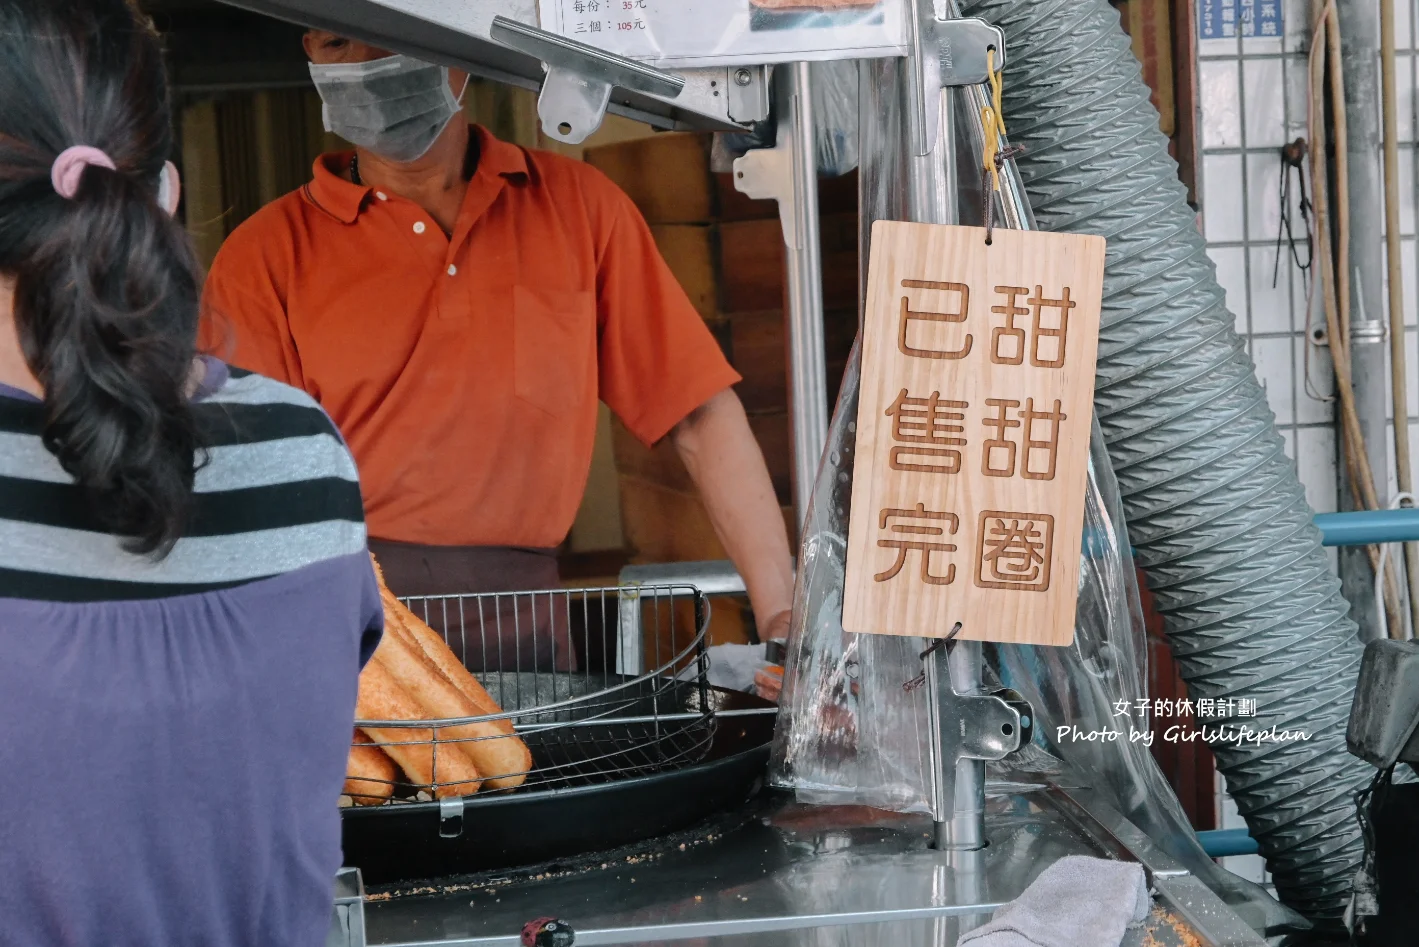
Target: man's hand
(725, 462)
(768, 682)
(778, 627)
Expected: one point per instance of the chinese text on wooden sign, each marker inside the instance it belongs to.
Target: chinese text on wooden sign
(973, 433)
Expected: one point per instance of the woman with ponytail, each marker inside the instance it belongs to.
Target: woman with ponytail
(185, 594)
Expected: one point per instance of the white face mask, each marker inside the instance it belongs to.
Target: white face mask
(395, 107)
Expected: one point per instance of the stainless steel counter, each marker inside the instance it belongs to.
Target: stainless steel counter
(792, 874)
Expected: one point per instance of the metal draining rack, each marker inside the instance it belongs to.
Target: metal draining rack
(602, 684)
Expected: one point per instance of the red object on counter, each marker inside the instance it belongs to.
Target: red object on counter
(768, 682)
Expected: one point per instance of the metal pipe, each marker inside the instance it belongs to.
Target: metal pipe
(935, 763)
(932, 198)
(968, 873)
(1368, 527)
(932, 184)
(1359, 199)
(807, 359)
(1399, 375)
(1219, 843)
(966, 829)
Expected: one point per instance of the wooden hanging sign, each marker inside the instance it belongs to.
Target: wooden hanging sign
(973, 433)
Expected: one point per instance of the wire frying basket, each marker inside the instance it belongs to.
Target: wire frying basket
(601, 684)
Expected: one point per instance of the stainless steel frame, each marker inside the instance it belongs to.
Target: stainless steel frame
(804, 875)
(788, 174)
(807, 359)
(709, 578)
(460, 33)
(797, 871)
(347, 928)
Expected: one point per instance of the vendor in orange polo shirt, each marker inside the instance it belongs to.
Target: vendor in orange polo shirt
(459, 305)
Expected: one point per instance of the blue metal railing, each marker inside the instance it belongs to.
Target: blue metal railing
(1219, 843)
(1365, 527)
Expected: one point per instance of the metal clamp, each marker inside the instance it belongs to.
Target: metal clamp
(982, 726)
(968, 728)
(450, 817)
(748, 92)
(579, 79)
(347, 926)
(947, 52)
(768, 173)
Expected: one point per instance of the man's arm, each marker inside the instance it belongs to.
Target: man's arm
(663, 373)
(725, 462)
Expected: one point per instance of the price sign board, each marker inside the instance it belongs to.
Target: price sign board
(696, 33)
(973, 433)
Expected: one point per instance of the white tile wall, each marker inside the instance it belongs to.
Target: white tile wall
(1222, 119)
(1271, 305)
(1389, 451)
(1404, 83)
(1297, 114)
(1262, 195)
(1298, 30)
(1253, 99)
(1406, 194)
(1407, 265)
(1272, 356)
(1411, 374)
(1315, 402)
(1315, 461)
(1223, 198)
(1264, 83)
(1231, 263)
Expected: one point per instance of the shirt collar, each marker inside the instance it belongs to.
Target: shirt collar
(342, 199)
(496, 157)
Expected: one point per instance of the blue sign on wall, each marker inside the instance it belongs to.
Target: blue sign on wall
(1222, 19)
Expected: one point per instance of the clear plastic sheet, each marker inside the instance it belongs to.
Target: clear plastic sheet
(835, 116)
(850, 733)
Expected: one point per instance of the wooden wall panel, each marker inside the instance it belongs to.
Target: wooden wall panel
(706, 228)
(667, 176)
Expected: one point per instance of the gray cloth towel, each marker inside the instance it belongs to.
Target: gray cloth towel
(1076, 902)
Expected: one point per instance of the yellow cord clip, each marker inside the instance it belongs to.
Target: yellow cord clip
(993, 121)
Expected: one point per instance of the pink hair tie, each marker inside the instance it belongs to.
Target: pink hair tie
(69, 168)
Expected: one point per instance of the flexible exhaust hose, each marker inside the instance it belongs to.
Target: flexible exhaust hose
(1216, 514)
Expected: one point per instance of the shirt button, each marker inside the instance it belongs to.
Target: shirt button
(452, 270)
(419, 226)
(381, 195)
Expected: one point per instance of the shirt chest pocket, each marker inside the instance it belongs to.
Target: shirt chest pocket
(554, 347)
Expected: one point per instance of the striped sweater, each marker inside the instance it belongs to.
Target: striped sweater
(278, 492)
(181, 725)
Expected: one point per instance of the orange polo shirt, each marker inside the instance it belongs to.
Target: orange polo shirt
(464, 370)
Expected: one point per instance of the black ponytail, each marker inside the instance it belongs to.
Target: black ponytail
(106, 284)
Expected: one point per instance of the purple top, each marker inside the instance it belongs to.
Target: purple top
(175, 734)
